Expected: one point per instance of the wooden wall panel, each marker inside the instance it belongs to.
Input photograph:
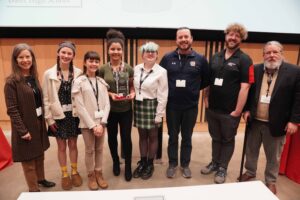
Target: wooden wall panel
(45, 50)
(255, 51)
(291, 53)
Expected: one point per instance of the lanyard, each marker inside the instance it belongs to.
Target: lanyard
(269, 81)
(32, 87)
(70, 78)
(143, 79)
(94, 90)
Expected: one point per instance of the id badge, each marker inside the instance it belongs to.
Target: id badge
(180, 83)
(139, 97)
(38, 111)
(67, 107)
(265, 99)
(98, 114)
(218, 81)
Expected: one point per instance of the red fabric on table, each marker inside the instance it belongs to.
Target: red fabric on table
(290, 158)
(5, 152)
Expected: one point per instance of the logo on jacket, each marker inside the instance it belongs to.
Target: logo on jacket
(231, 64)
(193, 63)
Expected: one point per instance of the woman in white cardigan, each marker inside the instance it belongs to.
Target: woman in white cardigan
(60, 111)
(92, 105)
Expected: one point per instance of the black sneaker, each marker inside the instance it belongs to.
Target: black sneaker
(147, 173)
(211, 167)
(139, 170)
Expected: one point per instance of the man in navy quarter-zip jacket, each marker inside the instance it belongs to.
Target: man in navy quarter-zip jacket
(188, 73)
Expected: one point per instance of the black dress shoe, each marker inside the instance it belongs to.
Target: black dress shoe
(116, 168)
(128, 173)
(147, 173)
(46, 183)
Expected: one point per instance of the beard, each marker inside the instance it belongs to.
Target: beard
(272, 64)
(186, 48)
(235, 46)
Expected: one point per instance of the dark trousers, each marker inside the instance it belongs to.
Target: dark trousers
(160, 139)
(34, 172)
(180, 121)
(222, 129)
(124, 121)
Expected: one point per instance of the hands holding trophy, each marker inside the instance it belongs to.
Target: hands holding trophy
(122, 86)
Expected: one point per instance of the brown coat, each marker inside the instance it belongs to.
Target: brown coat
(21, 108)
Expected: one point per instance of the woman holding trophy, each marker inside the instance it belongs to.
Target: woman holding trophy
(119, 76)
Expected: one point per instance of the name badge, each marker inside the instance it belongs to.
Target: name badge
(180, 83)
(99, 114)
(218, 81)
(265, 99)
(139, 97)
(38, 111)
(67, 107)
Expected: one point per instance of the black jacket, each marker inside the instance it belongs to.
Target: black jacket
(285, 100)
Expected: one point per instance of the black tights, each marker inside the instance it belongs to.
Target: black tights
(148, 142)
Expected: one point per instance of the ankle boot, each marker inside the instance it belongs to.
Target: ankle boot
(30, 176)
(128, 172)
(66, 183)
(116, 167)
(92, 182)
(140, 168)
(149, 169)
(100, 180)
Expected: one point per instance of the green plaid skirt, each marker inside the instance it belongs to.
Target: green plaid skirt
(144, 113)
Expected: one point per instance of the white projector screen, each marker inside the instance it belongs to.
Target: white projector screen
(276, 16)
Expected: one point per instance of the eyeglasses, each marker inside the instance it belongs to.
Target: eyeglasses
(150, 52)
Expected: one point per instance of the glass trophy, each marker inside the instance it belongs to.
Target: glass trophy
(122, 84)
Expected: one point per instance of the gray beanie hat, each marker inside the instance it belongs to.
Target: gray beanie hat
(68, 44)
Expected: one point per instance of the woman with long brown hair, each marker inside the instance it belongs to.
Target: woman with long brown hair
(24, 104)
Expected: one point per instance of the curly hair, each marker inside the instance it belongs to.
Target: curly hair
(115, 36)
(238, 28)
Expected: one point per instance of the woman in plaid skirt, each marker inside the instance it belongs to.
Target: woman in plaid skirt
(151, 89)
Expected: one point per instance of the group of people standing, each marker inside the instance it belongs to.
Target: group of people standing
(114, 95)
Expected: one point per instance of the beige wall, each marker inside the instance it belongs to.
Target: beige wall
(45, 51)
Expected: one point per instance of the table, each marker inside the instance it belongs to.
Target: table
(233, 191)
(290, 158)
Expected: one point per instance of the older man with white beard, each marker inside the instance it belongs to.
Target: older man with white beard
(274, 107)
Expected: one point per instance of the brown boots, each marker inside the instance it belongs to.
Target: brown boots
(95, 180)
(76, 180)
(100, 180)
(92, 182)
(68, 182)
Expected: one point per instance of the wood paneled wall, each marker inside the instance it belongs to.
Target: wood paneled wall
(45, 51)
